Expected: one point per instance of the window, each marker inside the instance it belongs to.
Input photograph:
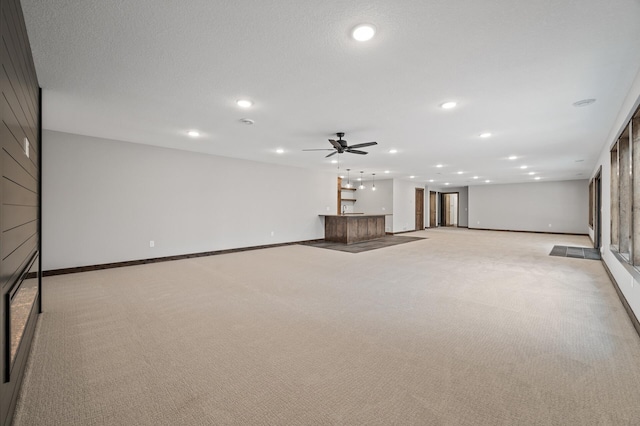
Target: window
(625, 194)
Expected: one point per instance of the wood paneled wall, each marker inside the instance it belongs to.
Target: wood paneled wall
(19, 187)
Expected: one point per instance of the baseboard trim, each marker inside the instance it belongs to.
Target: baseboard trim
(88, 268)
(528, 232)
(632, 316)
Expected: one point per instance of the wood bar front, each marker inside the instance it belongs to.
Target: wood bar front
(349, 229)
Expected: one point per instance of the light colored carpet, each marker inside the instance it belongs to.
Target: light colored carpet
(463, 328)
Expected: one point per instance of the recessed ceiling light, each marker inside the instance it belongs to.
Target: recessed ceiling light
(475, 177)
(523, 167)
(280, 150)
(430, 180)
(487, 181)
(448, 105)
(334, 161)
(387, 171)
(244, 103)
(460, 173)
(532, 173)
(439, 166)
(485, 135)
(363, 32)
(393, 151)
(193, 133)
(446, 183)
(513, 157)
(537, 178)
(411, 177)
(342, 177)
(583, 103)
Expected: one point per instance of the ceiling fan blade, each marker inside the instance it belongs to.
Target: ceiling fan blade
(355, 151)
(362, 145)
(336, 144)
(333, 153)
(322, 149)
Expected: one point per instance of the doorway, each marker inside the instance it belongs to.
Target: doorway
(419, 209)
(433, 212)
(597, 206)
(449, 208)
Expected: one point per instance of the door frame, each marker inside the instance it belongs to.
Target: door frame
(442, 208)
(433, 195)
(421, 227)
(597, 206)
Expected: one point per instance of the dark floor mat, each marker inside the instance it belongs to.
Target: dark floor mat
(576, 252)
(388, 241)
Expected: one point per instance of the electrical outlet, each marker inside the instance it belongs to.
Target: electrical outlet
(152, 243)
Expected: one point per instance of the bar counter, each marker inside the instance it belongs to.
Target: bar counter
(353, 227)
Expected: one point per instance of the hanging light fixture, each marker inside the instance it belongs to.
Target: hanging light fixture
(348, 185)
(361, 181)
(373, 187)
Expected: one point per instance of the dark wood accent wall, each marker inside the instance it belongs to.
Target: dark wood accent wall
(19, 201)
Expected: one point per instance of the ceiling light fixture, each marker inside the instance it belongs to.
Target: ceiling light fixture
(523, 167)
(244, 103)
(363, 32)
(280, 151)
(513, 157)
(411, 177)
(485, 135)
(334, 161)
(439, 166)
(348, 185)
(532, 173)
(460, 172)
(373, 188)
(487, 181)
(475, 177)
(537, 178)
(431, 180)
(448, 105)
(446, 183)
(193, 133)
(361, 182)
(387, 171)
(393, 151)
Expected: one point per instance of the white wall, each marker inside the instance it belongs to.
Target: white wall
(379, 201)
(404, 198)
(531, 206)
(104, 200)
(629, 286)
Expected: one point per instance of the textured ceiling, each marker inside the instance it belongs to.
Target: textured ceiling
(147, 71)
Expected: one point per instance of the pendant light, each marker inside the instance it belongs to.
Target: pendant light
(348, 185)
(373, 188)
(361, 181)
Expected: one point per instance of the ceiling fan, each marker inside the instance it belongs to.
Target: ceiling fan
(340, 146)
